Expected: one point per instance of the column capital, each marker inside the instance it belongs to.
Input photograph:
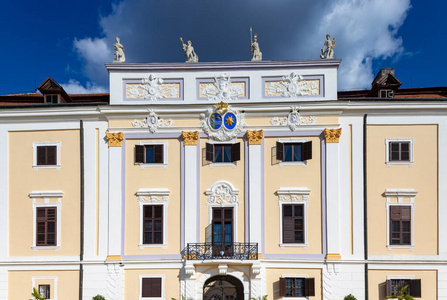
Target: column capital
(115, 139)
(332, 135)
(190, 138)
(255, 137)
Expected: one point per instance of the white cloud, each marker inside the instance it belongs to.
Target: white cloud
(75, 87)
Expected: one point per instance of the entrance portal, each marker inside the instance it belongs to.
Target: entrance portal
(223, 287)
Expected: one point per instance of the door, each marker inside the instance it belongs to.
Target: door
(222, 225)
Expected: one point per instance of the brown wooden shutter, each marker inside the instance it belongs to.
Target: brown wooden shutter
(306, 151)
(415, 288)
(388, 288)
(309, 287)
(151, 287)
(279, 151)
(405, 213)
(282, 287)
(209, 152)
(236, 152)
(158, 154)
(41, 155)
(395, 213)
(139, 154)
(288, 227)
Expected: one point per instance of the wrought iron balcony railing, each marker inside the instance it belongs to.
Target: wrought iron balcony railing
(204, 251)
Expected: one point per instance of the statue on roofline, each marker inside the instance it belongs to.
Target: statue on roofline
(328, 53)
(254, 48)
(190, 54)
(119, 51)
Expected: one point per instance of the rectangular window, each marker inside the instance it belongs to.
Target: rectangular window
(400, 225)
(399, 151)
(221, 153)
(149, 154)
(151, 287)
(51, 99)
(46, 222)
(297, 287)
(292, 152)
(222, 236)
(153, 224)
(44, 291)
(394, 286)
(293, 223)
(46, 155)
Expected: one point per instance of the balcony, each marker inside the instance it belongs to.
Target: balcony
(204, 251)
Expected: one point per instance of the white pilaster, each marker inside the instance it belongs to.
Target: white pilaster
(255, 185)
(4, 188)
(191, 192)
(115, 194)
(442, 179)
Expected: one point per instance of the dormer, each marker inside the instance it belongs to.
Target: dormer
(385, 84)
(53, 93)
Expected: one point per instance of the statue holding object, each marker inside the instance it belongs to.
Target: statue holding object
(254, 47)
(328, 53)
(190, 54)
(119, 51)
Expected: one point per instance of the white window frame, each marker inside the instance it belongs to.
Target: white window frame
(46, 195)
(58, 98)
(57, 166)
(286, 196)
(398, 162)
(292, 141)
(399, 194)
(153, 196)
(165, 154)
(222, 164)
(295, 276)
(33, 282)
(162, 287)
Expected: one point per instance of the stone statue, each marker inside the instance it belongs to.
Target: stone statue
(254, 48)
(190, 55)
(330, 45)
(119, 51)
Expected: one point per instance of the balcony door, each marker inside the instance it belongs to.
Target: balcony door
(222, 227)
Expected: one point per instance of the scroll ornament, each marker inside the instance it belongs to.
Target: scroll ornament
(153, 122)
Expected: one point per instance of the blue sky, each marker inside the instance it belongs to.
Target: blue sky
(71, 40)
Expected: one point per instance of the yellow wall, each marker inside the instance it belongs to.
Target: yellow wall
(20, 284)
(152, 177)
(277, 176)
(23, 179)
(233, 174)
(377, 282)
(273, 275)
(422, 177)
(132, 289)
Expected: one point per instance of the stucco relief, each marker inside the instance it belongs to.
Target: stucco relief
(255, 137)
(293, 194)
(152, 122)
(332, 135)
(115, 139)
(221, 193)
(190, 138)
(152, 88)
(115, 281)
(293, 120)
(292, 86)
(222, 123)
(222, 89)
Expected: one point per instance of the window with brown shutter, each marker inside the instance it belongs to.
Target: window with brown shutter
(151, 287)
(400, 225)
(293, 223)
(46, 226)
(46, 155)
(294, 151)
(149, 154)
(153, 224)
(394, 286)
(220, 153)
(296, 287)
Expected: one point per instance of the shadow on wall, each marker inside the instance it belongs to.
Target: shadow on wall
(382, 291)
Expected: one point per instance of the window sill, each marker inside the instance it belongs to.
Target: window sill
(37, 167)
(391, 163)
(225, 164)
(294, 298)
(153, 166)
(292, 163)
(391, 247)
(162, 246)
(292, 245)
(35, 248)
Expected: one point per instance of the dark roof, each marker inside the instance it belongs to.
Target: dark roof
(417, 93)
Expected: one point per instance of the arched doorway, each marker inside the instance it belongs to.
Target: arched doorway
(223, 287)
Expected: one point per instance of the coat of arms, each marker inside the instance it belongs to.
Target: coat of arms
(222, 123)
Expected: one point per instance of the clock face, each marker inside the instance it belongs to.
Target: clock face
(229, 120)
(215, 121)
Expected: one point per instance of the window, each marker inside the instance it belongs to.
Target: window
(46, 155)
(153, 224)
(297, 287)
(293, 223)
(46, 226)
(222, 237)
(44, 291)
(151, 154)
(400, 221)
(393, 287)
(291, 151)
(151, 287)
(386, 94)
(51, 99)
(399, 151)
(222, 153)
